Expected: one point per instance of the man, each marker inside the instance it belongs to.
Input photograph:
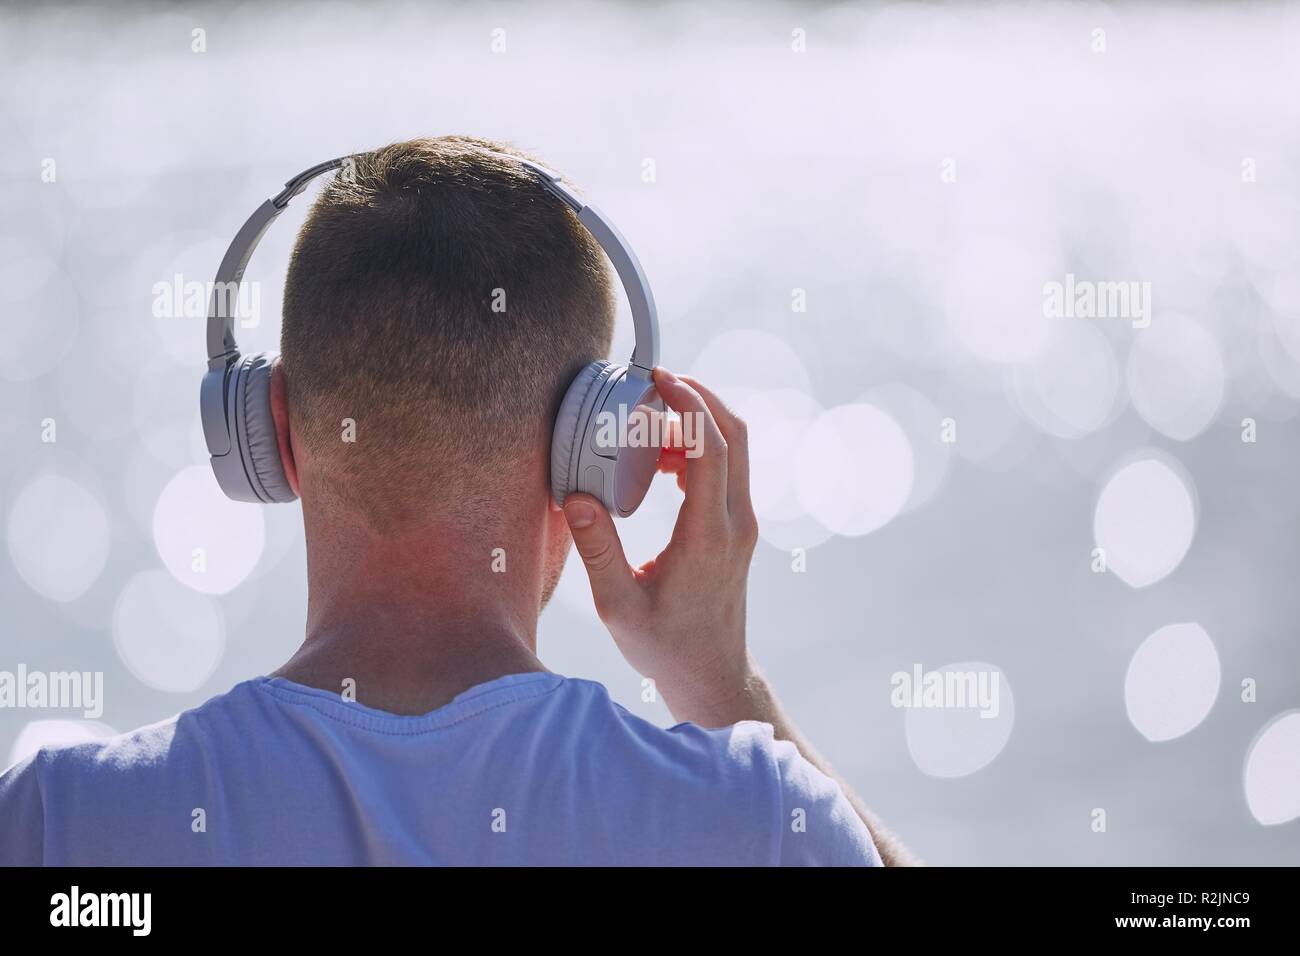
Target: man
(460, 747)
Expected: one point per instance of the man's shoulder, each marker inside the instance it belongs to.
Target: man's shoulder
(100, 800)
(747, 747)
(148, 747)
(756, 797)
(720, 787)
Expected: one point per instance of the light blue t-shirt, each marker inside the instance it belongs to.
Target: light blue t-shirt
(526, 769)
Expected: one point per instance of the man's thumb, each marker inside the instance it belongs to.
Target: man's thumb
(596, 539)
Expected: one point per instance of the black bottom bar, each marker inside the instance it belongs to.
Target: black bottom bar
(335, 904)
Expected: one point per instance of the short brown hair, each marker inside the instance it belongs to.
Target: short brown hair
(439, 297)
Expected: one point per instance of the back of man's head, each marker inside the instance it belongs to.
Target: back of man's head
(440, 299)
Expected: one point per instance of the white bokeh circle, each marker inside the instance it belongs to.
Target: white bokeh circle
(205, 540)
(1176, 377)
(58, 536)
(1272, 773)
(1145, 520)
(856, 469)
(1070, 388)
(1172, 681)
(957, 741)
(169, 636)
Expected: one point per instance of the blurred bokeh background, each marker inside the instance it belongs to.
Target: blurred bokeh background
(849, 215)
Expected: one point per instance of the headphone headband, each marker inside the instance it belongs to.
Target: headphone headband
(222, 346)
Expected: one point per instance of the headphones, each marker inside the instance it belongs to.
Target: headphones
(235, 397)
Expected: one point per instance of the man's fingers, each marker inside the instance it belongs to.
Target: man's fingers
(672, 448)
(737, 437)
(672, 462)
(613, 582)
(671, 430)
(706, 471)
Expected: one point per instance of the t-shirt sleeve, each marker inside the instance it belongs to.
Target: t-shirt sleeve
(22, 815)
(819, 827)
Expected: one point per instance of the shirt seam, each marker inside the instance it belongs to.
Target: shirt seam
(377, 724)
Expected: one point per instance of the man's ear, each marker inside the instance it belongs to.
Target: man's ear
(280, 414)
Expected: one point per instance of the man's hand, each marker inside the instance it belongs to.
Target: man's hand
(680, 618)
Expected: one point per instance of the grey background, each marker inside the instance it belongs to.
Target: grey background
(775, 170)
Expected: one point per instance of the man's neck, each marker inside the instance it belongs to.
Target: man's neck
(409, 621)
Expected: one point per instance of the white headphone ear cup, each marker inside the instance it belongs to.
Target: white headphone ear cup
(258, 445)
(570, 423)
